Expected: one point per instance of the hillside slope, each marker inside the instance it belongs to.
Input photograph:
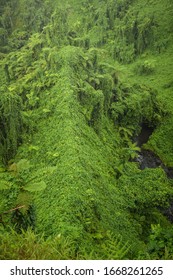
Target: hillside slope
(78, 81)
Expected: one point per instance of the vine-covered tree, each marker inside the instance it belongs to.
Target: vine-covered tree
(78, 80)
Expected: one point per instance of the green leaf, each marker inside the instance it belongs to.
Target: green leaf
(23, 164)
(33, 148)
(34, 187)
(24, 198)
(45, 110)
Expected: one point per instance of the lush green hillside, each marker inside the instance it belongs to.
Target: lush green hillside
(78, 81)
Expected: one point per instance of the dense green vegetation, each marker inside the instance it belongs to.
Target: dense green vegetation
(78, 80)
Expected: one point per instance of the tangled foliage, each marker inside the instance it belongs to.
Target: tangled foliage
(77, 81)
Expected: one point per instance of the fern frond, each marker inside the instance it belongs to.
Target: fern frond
(5, 185)
(115, 248)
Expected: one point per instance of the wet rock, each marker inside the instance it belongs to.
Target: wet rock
(169, 172)
(148, 159)
(169, 212)
(144, 135)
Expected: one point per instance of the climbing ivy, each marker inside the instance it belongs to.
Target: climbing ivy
(78, 79)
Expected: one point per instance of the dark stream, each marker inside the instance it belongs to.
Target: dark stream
(148, 159)
(144, 135)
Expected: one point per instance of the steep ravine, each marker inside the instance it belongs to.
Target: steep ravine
(148, 159)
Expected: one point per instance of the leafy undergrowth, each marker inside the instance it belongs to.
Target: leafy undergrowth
(75, 89)
(31, 246)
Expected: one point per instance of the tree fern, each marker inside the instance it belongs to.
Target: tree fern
(10, 122)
